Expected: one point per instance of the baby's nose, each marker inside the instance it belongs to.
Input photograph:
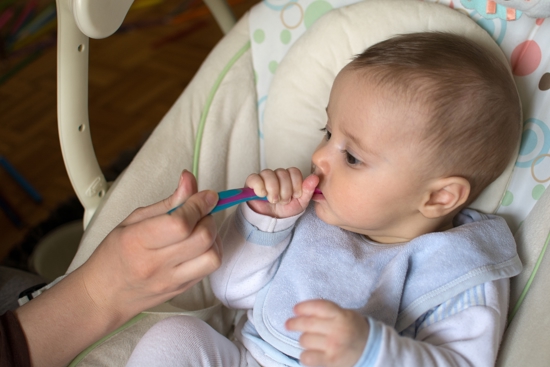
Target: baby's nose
(319, 164)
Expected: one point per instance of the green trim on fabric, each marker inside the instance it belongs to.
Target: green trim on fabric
(206, 109)
(87, 351)
(529, 282)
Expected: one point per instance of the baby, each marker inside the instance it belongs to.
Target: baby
(373, 260)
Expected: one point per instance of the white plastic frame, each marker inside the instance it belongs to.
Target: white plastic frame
(77, 20)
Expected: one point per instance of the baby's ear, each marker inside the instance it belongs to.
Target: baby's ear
(444, 196)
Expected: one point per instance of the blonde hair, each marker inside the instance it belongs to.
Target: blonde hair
(469, 94)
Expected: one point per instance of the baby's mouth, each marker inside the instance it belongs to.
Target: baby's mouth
(318, 195)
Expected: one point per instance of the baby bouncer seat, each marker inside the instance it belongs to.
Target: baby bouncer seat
(259, 101)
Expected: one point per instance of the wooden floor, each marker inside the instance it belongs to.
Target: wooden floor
(135, 76)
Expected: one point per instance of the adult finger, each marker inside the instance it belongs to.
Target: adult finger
(197, 206)
(198, 267)
(187, 186)
(185, 276)
(201, 239)
(169, 229)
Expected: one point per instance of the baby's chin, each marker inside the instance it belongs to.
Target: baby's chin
(321, 213)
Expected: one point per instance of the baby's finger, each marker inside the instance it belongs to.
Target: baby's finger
(256, 182)
(312, 358)
(285, 185)
(297, 179)
(318, 307)
(272, 186)
(310, 324)
(308, 188)
(313, 341)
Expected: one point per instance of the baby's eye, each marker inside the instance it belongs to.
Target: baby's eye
(328, 134)
(350, 159)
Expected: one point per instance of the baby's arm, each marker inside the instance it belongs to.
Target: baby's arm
(256, 235)
(252, 246)
(453, 334)
(470, 337)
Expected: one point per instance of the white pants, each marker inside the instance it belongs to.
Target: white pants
(188, 341)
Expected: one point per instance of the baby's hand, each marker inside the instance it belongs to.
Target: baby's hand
(287, 192)
(331, 335)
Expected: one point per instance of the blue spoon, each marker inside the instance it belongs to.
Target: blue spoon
(232, 197)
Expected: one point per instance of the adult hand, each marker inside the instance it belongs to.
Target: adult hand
(153, 256)
(149, 258)
(331, 335)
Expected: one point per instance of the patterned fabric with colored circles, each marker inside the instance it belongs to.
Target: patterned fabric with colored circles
(276, 24)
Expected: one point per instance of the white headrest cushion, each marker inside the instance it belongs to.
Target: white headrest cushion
(298, 96)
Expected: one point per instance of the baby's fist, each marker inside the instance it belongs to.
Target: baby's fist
(288, 194)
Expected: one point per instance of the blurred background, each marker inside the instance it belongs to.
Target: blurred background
(135, 76)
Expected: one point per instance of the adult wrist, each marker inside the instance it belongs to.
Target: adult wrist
(104, 296)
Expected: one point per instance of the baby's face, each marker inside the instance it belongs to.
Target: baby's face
(367, 162)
